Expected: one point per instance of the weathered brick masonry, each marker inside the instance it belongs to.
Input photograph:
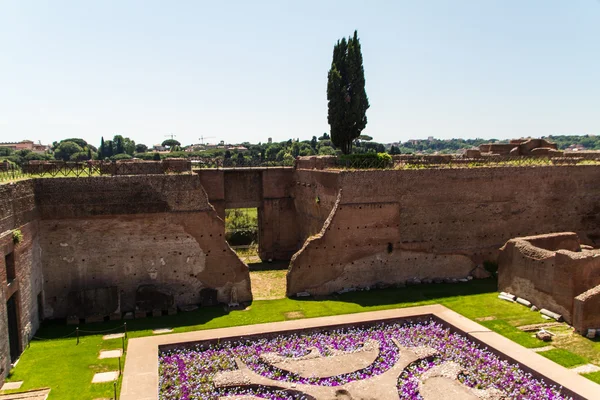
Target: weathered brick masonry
(392, 226)
(127, 231)
(344, 229)
(18, 211)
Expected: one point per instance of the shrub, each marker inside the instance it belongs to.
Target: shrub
(122, 156)
(17, 236)
(366, 160)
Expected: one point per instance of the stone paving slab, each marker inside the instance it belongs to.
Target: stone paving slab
(586, 369)
(38, 394)
(110, 354)
(12, 385)
(140, 378)
(162, 331)
(113, 336)
(105, 377)
(545, 348)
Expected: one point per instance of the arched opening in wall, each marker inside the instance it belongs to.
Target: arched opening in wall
(241, 232)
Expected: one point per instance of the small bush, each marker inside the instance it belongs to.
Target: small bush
(366, 160)
(121, 156)
(17, 236)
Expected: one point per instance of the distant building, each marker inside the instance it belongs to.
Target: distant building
(27, 145)
(575, 147)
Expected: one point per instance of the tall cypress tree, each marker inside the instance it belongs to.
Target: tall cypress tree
(101, 150)
(346, 95)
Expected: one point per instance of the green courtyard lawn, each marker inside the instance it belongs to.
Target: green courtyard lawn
(67, 368)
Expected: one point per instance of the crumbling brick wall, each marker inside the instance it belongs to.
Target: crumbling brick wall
(554, 272)
(134, 230)
(438, 223)
(18, 211)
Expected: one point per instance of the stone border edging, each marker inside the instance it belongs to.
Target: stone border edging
(140, 377)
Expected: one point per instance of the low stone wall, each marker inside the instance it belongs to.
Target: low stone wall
(554, 272)
(586, 314)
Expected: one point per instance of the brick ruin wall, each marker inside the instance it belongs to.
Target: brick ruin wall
(554, 272)
(157, 230)
(270, 191)
(18, 211)
(392, 226)
(346, 228)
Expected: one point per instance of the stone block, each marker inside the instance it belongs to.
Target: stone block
(150, 297)
(141, 314)
(208, 297)
(157, 313)
(524, 302)
(94, 318)
(591, 333)
(97, 301)
(544, 335)
(172, 311)
(115, 316)
(73, 320)
(128, 315)
(551, 314)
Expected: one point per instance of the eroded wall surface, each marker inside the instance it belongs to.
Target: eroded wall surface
(130, 231)
(391, 226)
(269, 190)
(18, 211)
(553, 272)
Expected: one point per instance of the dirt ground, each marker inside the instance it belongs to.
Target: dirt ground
(268, 284)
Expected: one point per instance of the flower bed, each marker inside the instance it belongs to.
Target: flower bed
(188, 373)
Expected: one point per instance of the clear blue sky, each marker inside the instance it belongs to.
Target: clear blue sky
(249, 70)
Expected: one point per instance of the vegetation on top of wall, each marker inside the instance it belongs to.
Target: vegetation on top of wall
(17, 236)
(365, 160)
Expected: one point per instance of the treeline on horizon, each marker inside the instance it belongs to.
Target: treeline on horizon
(123, 148)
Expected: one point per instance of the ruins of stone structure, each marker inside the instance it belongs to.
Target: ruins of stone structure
(555, 272)
(521, 147)
(90, 244)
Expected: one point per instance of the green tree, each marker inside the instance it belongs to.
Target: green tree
(141, 148)
(101, 149)
(108, 149)
(394, 150)
(65, 150)
(170, 143)
(5, 151)
(347, 99)
(118, 145)
(80, 142)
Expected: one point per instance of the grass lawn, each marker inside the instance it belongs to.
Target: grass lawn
(68, 368)
(564, 357)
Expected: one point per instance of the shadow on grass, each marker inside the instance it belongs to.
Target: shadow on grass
(411, 294)
(268, 266)
(55, 329)
(407, 296)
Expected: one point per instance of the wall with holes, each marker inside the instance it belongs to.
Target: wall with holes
(315, 193)
(134, 230)
(268, 189)
(22, 280)
(393, 226)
